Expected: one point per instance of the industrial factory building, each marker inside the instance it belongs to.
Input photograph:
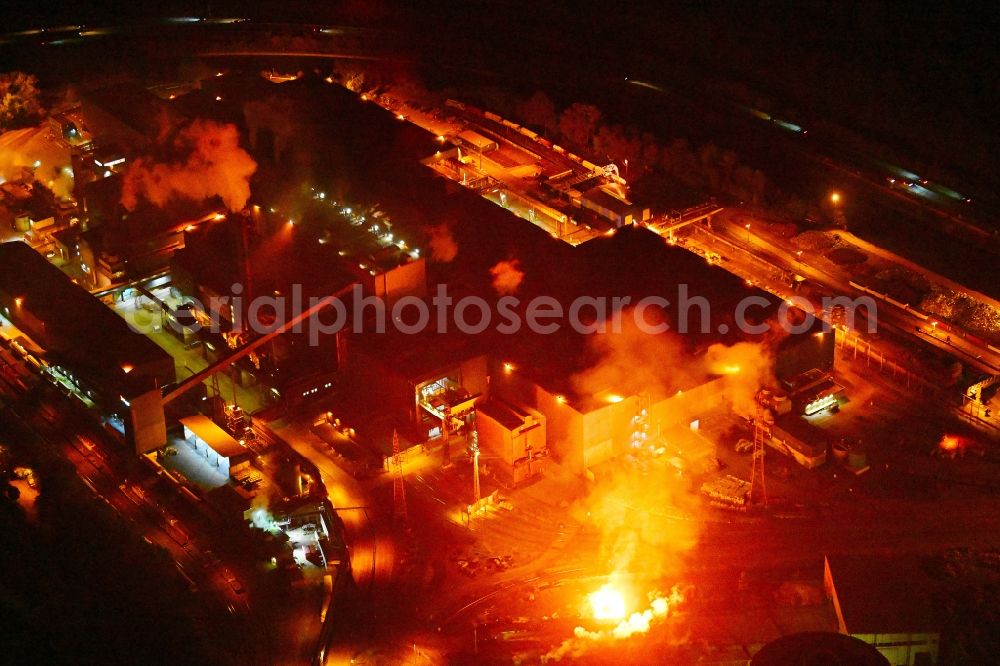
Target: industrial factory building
(583, 425)
(584, 431)
(429, 384)
(114, 244)
(272, 259)
(125, 114)
(216, 445)
(513, 437)
(82, 340)
(615, 208)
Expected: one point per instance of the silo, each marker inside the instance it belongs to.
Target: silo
(818, 648)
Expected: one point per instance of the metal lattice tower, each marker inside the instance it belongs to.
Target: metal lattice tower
(640, 423)
(474, 447)
(398, 489)
(445, 440)
(758, 484)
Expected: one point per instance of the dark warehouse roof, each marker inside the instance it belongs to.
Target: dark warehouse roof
(133, 106)
(382, 155)
(80, 331)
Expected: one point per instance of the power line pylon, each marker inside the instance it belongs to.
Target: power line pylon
(761, 427)
(474, 447)
(398, 489)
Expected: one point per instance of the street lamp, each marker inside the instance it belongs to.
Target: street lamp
(835, 198)
(799, 255)
(476, 492)
(748, 232)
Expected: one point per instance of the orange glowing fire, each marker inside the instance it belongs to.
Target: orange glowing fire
(949, 443)
(608, 604)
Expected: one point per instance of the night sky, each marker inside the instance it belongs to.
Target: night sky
(921, 77)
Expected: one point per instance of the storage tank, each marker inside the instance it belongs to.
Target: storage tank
(857, 457)
(818, 648)
(840, 450)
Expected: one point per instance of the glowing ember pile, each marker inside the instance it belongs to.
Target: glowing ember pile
(948, 443)
(608, 604)
(612, 603)
(950, 446)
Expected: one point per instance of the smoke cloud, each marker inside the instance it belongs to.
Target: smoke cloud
(746, 367)
(507, 276)
(644, 519)
(274, 114)
(632, 362)
(206, 161)
(442, 243)
(646, 527)
(646, 513)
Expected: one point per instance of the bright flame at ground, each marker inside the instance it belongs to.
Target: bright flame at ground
(949, 443)
(608, 604)
(950, 446)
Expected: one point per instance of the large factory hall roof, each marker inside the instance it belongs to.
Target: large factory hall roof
(378, 156)
(81, 331)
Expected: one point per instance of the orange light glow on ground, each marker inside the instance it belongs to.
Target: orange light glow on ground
(949, 443)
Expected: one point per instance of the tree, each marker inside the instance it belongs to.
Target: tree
(759, 187)
(19, 101)
(578, 123)
(538, 111)
(743, 183)
(728, 162)
(708, 160)
(651, 151)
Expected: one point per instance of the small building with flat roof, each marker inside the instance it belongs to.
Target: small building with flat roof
(217, 446)
(514, 436)
(476, 141)
(619, 210)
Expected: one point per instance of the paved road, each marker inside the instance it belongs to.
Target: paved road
(838, 282)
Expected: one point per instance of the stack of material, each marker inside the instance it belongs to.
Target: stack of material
(727, 489)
